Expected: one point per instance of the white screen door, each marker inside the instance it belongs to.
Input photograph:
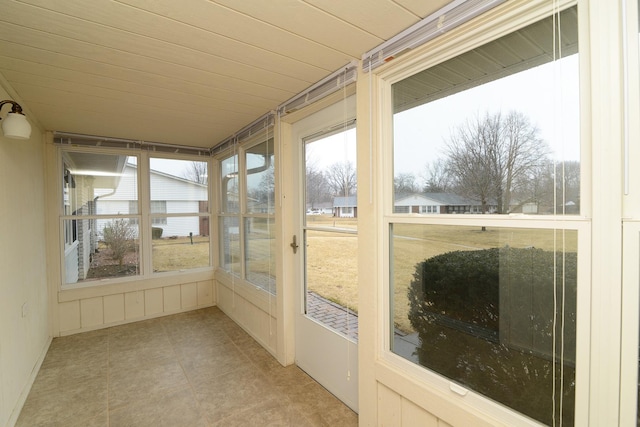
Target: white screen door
(326, 316)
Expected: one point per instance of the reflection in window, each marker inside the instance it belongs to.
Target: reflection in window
(229, 184)
(259, 230)
(99, 241)
(259, 249)
(485, 132)
(247, 225)
(493, 309)
(260, 178)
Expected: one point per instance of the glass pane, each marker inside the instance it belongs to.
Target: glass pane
(331, 185)
(230, 245)
(260, 178)
(100, 249)
(99, 184)
(181, 249)
(332, 280)
(494, 130)
(493, 309)
(260, 252)
(331, 223)
(178, 186)
(229, 185)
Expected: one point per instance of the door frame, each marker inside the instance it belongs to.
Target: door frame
(311, 344)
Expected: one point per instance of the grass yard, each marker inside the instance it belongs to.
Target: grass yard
(332, 268)
(179, 254)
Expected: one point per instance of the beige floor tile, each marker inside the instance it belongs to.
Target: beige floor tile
(191, 369)
(61, 407)
(155, 380)
(175, 409)
(270, 413)
(231, 393)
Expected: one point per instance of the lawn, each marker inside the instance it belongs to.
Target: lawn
(180, 253)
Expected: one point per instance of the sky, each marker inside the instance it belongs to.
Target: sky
(548, 95)
(337, 148)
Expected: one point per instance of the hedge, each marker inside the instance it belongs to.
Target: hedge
(485, 318)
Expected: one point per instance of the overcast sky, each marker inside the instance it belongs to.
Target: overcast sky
(547, 95)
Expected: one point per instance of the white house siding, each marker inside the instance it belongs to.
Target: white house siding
(181, 196)
(171, 188)
(422, 203)
(180, 226)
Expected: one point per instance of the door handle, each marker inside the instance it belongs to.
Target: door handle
(294, 244)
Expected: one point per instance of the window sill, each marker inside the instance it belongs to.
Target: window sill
(116, 286)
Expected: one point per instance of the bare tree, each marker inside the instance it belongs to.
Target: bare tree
(405, 183)
(196, 172)
(317, 186)
(437, 178)
(490, 156)
(557, 187)
(266, 190)
(341, 178)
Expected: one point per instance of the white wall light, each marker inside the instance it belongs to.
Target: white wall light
(15, 125)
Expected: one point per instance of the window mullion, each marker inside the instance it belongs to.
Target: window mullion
(242, 193)
(144, 200)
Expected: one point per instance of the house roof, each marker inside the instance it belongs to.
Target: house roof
(345, 202)
(446, 199)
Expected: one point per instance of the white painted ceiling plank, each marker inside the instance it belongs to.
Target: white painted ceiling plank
(378, 17)
(210, 89)
(78, 19)
(307, 21)
(221, 20)
(190, 106)
(18, 70)
(30, 37)
(145, 50)
(423, 8)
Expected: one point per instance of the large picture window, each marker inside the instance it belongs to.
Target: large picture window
(485, 145)
(104, 219)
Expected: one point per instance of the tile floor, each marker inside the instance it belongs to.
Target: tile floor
(191, 369)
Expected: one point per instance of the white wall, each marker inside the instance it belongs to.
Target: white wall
(24, 336)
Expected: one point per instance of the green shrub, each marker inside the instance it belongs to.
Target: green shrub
(486, 319)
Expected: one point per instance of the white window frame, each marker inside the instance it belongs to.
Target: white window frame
(143, 219)
(434, 53)
(239, 278)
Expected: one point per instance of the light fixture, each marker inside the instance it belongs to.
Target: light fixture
(15, 125)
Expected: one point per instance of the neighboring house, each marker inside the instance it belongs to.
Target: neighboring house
(169, 194)
(345, 207)
(322, 208)
(437, 203)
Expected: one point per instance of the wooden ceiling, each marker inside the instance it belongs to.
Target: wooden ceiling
(188, 72)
